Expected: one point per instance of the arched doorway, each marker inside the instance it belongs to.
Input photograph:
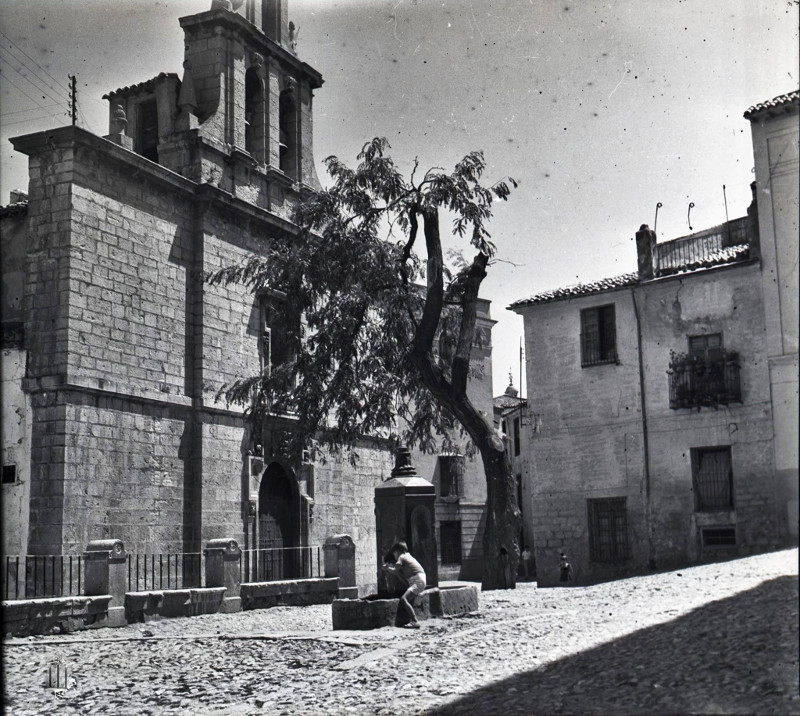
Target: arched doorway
(277, 525)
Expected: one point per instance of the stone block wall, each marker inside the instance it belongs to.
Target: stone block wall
(344, 503)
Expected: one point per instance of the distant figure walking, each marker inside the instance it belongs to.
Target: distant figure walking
(526, 562)
(400, 562)
(565, 569)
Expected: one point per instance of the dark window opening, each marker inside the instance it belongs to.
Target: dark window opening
(516, 437)
(9, 474)
(719, 536)
(451, 475)
(706, 375)
(279, 333)
(287, 120)
(148, 130)
(713, 478)
(451, 542)
(608, 530)
(598, 336)
(252, 94)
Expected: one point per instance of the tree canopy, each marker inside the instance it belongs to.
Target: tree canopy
(386, 335)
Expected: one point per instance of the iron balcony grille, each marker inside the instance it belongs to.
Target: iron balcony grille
(608, 530)
(697, 382)
(599, 348)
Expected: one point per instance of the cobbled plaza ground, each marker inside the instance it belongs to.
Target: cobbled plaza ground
(715, 639)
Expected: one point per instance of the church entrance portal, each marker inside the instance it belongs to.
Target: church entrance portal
(278, 533)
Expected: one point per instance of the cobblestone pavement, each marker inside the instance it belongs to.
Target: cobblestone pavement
(712, 639)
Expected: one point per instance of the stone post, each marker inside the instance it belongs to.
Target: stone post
(105, 571)
(340, 561)
(223, 569)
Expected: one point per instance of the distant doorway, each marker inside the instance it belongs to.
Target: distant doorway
(277, 526)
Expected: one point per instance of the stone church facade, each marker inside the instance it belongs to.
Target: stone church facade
(114, 348)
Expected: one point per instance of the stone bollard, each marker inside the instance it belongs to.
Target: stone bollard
(105, 571)
(223, 569)
(340, 561)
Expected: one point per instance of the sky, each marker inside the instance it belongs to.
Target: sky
(599, 110)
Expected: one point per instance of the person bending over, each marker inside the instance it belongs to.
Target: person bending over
(400, 562)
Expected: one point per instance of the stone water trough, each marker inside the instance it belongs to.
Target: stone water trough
(375, 611)
(404, 510)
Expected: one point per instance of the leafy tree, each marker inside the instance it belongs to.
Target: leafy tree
(381, 353)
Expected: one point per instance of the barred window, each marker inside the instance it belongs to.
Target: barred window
(608, 530)
(713, 478)
(450, 534)
(719, 536)
(598, 336)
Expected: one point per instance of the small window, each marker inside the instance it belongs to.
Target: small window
(608, 530)
(713, 478)
(719, 536)
(148, 130)
(516, 437)
(451, 542)
(9, 474)
(598, 336)
(451, 473)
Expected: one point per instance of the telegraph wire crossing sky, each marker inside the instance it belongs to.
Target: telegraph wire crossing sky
(599, 110)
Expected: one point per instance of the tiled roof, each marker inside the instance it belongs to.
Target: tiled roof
(720, 257)
(581, 289)
(507, 402)
(19, 207)
(146, 86)
(774, 103)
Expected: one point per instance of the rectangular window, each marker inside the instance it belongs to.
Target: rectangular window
(707, 349)
(9, 474)
(516, 437)
(713, 478)
(608, 530)
(598, 336)
(451, 542)
(148, 130)
(451, 474)
(719, 536)
(279, 332)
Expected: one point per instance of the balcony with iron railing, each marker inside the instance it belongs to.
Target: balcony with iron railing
(697, 382)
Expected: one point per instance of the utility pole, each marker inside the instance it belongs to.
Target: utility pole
(73, 98)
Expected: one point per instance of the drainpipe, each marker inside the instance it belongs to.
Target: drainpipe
(645, 437)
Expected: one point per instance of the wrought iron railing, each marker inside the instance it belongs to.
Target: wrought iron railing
(273, 565)
(696, 383)
(157, 572)
(36, 576)
(597, 349)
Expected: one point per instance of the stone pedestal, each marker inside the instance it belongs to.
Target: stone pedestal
(340, 562)
(223, 569)
(404, 511)
(105, 572)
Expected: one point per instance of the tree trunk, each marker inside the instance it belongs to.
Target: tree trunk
(501, 548)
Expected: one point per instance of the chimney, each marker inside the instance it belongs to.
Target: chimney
(275, 19)
(753, 234)
(646, 252)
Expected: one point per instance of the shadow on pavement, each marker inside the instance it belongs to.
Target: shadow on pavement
(734, 656)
